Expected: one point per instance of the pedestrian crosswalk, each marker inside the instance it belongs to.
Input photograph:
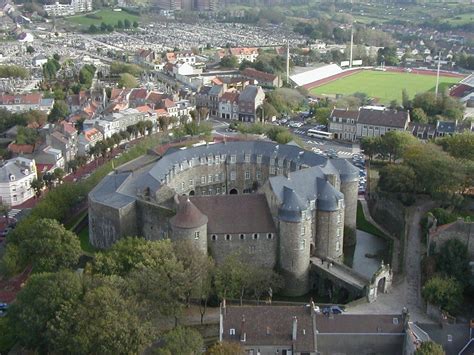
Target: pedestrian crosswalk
(13, 212)
(300, 131)
(341, 154)
(344, 154)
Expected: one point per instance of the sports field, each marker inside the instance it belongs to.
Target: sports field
(385, 86)
(108, 16)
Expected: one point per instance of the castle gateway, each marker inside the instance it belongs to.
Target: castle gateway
(277, 205)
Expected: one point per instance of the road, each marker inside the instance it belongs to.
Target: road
(406, 291)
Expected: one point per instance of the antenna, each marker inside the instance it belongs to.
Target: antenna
(288, 61)
(437, 74)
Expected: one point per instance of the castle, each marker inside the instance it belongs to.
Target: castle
(277, 205)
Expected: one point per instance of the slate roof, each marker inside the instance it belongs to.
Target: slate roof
(236, 213)
(270, 325)
(344, 113)
(447, 127)
(249, 93)
(10, 168)
(387, 118)
(360, 323)
(188, 215)
(259, 75)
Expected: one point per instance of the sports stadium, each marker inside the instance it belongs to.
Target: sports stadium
(383, 85)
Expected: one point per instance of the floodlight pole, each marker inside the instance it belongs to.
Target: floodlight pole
(437, 74)
(352, 44)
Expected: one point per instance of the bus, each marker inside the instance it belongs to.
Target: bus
(319, 134)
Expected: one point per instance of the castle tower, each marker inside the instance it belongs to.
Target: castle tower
(349, 176)
(295, 239)
(189, 224)
(329, 221)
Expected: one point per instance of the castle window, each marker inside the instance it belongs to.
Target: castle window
(217, 159)
(214, 237)
(196, 235)
(269, 236)
(280, 162)
(183, 185)
(312, 204)
(259, 159)
(232, 331)
(218, 190)
(232, 175)
(242, 236)
(338, 218)
(216, 178)
(247, 175)
(272, 161)
(341, 203)
(203, 160)
(191, 182)
(210, 160)
(252, 249)
(209, 179)
(279, 171)
(228, 237)
(211, 192)
(338, 232)
(233, 159)
(303, 230)
(338, 246)
(203, 179)
(259, 175)
(272, 170)
(255, 236)
(303, 215)
(302, 244)
(247, 158)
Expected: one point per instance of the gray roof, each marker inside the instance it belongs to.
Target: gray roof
(446, 126)
(11, 168)
(249, 93)
(387, 118)
(347, 171)
(120, 189)
(215, 90)
(292, 206)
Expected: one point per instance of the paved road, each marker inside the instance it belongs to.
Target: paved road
(406, 291)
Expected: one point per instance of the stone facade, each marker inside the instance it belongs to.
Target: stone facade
(298, 209)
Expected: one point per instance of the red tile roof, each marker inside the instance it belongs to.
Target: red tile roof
(26, 99)
(188, 216)
(230, 96)
(258, 75)
(21, 148)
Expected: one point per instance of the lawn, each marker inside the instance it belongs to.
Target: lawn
(386, 86)
(108, 16)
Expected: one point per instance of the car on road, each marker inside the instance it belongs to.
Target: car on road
(4, 306)
(332, 309)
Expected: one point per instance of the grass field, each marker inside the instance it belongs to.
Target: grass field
(108, 16)
(385, 86)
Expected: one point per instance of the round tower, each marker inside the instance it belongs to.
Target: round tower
(329, 221)
(294, 248)
(349, 176)
(189, 224)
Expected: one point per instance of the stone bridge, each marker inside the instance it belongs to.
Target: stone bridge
(356, 284)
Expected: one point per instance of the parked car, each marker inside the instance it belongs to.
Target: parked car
(332, 309)
(4, 306)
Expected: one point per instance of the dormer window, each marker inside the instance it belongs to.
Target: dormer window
(259, 159)
(247, 158)
(12, 177)
(233, 159)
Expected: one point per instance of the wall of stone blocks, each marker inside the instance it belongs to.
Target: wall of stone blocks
(327, 227)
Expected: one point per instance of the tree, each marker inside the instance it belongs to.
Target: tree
(4, 210)
(418, 115)
(322, 114)
(120, 24)
(181, 340)
(444, 292)
(453, 261)
(59, 112)
(394, 144)
(38, 303)
(135, 24)
(262, 280)
(58, 174)
(127, 23)
(397, 178)
(229, 62)
(370, 146)
(46, 245)
(406, 102)
(30, 50)
(127, 81)
(103, 322)
(37, 185)
(429, 348)
(225, 348)
(13, 71)
(460, 146)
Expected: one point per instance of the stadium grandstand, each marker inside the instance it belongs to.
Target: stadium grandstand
(314, 75)
(464, 91)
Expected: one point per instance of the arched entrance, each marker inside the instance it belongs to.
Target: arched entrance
(381, 285)
(191, 193)
(233, 192)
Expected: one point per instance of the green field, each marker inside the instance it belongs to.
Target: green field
(385, 86)
(108, 16)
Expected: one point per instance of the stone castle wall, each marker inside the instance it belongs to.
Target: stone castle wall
(196, 236)
(350, 191)
(329, 234)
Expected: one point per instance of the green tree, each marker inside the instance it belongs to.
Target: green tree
(120, 24)
(13, 71)
(26, 135)
(225, 348)
(127, 23)
(59, 112)
(37, 185)
(181, 340)
(418, 115)
(103, 322)
(262, 280)
(370, 146)
(394, 144)
(229, 62)
(429, 348)
(406, 102)
(135, 24)
(397, 178)
(460, 146)
(444, 292)
(30, 50)
(453, 261)
(58, 174)
(127, 81)
(46, 245)
(38, 303)
(322, 114)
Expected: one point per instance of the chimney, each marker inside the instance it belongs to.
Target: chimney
(243, 335)
(295, 328)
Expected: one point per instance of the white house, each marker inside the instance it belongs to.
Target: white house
(16, 176)
(40, 60)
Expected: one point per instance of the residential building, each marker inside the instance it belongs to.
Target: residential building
(261, 78)
(445, 128)
(250, 99)
(51, 157)
(244, 53)
(145, 56)
(184, 57)
(303, 330)
(229, 106)
(16, 176)
(75, 6)
(39, 60)
(64, 137)
(25, 102)
(343, 124)
(87, 139)
(376, 122)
